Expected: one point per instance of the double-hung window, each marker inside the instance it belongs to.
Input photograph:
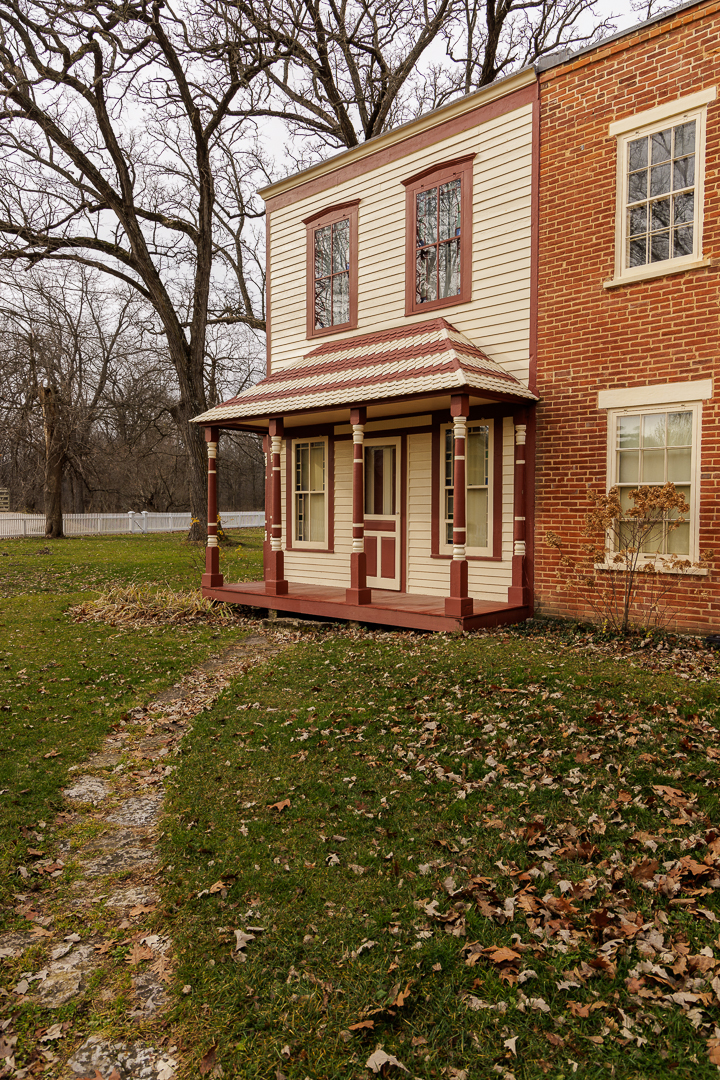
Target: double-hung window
(310, 492)
(478, 473)
(660, 176)
(332, 270)
(654, 439)
(438, 249)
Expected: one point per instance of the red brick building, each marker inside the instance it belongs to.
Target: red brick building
(628, 285)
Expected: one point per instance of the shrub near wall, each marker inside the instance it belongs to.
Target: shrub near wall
(591, 338)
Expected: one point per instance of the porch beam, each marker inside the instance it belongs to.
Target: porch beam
(358, 593)
(459, 603)
(275, 583)
(212, 578)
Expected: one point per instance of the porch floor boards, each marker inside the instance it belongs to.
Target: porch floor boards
(410, 610)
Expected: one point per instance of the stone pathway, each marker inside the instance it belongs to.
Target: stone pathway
(115, 806)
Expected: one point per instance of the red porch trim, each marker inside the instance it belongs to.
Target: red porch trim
(275, 583)
(358, 593)
(212, 576)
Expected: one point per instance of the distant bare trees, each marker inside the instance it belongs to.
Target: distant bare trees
(116, 124)
(86, 401)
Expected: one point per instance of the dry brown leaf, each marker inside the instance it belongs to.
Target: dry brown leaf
(280, 806)
(208, 1060)
(139, 953)
(501, 955)
(369, 1024)
(218, 887)
(142, 909)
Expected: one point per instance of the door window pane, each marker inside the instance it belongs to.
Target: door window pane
(380, 480)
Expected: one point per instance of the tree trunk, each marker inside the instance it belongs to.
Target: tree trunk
(54, 463)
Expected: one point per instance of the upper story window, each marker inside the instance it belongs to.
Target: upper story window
(660, 189)
(332, 270)
(661, 203)
(438, 248)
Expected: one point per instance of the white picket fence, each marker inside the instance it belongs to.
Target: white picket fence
(12, 525)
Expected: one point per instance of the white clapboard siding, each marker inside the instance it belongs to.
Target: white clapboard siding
(486, 580)
(497, 318)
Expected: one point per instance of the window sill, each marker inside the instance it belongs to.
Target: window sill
(661, 270)
(693, 571)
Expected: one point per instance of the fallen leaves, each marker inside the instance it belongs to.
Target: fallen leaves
(379, 1060)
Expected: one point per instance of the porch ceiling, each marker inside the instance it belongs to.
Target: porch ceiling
(421, 360)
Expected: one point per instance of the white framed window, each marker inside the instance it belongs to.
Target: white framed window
(653, 446)
(478, 488)
(660, 189)
(310, 496)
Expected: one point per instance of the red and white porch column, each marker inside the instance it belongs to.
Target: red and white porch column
(358, 593)
(212, 578)
(518, 592)
(275, 582)
(459, 602)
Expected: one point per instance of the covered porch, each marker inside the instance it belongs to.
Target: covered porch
(390, 541)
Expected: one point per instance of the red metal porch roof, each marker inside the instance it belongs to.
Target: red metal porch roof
(424, 358)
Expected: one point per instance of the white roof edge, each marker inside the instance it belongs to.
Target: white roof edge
(525, 77)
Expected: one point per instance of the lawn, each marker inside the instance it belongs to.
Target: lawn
(486, 856)
(63, 684)
(465, 857)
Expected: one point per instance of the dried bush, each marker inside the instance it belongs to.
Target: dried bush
(621, 574)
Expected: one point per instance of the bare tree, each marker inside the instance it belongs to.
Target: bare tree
(346, 72)
(115, 116)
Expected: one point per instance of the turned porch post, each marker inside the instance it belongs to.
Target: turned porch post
(459, 603)
(212, 578)
(518, 593)
(275, 582)
(358, 593)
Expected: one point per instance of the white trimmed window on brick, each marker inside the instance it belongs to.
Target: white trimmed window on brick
(651, 447)
(660, 189)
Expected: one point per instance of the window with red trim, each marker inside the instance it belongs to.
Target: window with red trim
(439, 237)
(332, 270)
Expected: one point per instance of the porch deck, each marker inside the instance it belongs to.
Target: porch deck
(410, 610)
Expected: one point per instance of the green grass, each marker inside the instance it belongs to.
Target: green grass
(64, 684)
(503, 790)
(388, 808)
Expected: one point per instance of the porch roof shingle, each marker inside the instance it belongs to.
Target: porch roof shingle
(427, 357)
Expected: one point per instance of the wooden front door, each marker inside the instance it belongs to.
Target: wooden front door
(382, 513)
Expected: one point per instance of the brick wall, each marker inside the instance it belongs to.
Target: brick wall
(591, 338)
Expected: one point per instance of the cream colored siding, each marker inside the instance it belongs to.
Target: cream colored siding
(498, 316)
(321, 567)
(486, 580)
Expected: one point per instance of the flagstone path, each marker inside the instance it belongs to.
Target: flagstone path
(110, 832)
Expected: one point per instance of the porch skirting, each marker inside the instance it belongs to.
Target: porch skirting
(387, 608)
